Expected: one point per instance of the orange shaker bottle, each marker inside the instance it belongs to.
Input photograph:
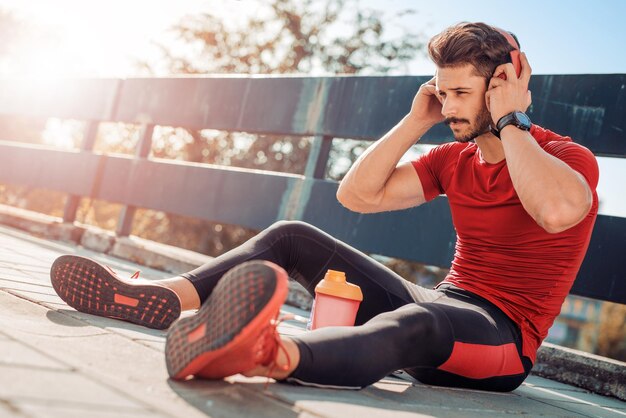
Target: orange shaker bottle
(336, 301)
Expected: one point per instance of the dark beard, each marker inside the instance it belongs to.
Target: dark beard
(482, 125)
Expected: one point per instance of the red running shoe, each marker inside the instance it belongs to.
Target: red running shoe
(235, 329)
(90, 287)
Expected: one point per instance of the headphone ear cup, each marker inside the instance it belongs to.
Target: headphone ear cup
(517, 63)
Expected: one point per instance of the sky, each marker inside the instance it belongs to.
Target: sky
(559, 37)
(103, 38)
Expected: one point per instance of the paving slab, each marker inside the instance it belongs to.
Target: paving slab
(15, 273)
(420, 399)
(7, 409)
(545, 394)
(27, 286)
(590, 410)
(15, 354)
(79, 411)
(541, 382)
(35, 284)
(102, 365)
(229, 399)
(61, 386)
(57, 362)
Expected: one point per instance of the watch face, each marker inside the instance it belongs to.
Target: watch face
(522, 120)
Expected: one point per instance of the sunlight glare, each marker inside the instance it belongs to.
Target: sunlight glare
(63, 134)
(74, 38)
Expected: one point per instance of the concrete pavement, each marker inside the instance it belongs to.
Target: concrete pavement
(55, 361)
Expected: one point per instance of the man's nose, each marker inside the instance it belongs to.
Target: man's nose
(448, 108)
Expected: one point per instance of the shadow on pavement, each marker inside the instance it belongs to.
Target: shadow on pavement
(225, 398)
(220, 398)
(60, 317)
(73, 318)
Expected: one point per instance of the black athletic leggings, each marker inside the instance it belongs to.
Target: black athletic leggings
(447, 336)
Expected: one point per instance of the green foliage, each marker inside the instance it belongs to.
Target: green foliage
(286, 37)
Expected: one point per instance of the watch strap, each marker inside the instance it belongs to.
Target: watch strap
(494, 131)
(505, 121)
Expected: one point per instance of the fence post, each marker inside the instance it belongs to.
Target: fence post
(300, 190)
(87, 144)
(318, 157)
(125, 221)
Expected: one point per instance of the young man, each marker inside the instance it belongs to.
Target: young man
(523, 205)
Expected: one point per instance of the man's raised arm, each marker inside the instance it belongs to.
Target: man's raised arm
(556, 196)
(376, 182)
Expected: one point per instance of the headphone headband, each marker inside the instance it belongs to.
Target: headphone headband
(510, 37)
(515, 53)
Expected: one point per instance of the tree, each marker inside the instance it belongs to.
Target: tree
(284, 37)
(289, 36)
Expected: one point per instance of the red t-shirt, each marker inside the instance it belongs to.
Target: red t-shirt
(501, 253)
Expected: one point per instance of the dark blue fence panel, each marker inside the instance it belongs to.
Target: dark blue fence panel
(589, 108)
(424, 233)
(241, 197)
(603, 273)
(36, 166)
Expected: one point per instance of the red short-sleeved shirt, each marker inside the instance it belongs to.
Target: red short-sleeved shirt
(501, 253)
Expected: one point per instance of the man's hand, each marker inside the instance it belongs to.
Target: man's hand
(505, 96)
(377, 182)
(426, 107)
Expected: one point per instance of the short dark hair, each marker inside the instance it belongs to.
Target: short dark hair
(478, 44)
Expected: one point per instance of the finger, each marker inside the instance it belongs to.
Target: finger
(487, 100)
(430, 82)
(499, 70)
(509, 71)
(495, 82)
(429, 89)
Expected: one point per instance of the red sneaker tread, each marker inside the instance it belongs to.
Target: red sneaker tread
(89, 287)
(220, 339)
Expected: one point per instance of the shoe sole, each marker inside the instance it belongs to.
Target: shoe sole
(225, 320)
(89, 287)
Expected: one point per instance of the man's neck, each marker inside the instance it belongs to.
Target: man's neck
(490, 147)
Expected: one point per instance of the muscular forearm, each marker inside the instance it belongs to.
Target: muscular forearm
(556, 196)
(367, 177)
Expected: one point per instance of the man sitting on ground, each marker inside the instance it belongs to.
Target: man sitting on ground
(523, 203)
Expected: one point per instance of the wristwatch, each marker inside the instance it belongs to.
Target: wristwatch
(516, 118)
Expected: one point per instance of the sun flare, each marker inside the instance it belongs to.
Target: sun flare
(75, 38)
